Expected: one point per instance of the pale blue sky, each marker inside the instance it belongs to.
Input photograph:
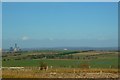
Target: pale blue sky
(0, 25)
(34, 25)
(60, 0)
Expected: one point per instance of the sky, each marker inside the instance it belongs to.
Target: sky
(60, 0)
(0, 25)
(65, 24)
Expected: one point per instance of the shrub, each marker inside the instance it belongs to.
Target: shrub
(86, 66)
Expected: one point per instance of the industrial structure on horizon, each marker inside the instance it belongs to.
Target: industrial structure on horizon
(15, 48)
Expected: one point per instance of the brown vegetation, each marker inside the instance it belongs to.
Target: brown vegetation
(60, 73)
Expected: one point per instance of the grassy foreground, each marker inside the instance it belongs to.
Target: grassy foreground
(61, 64)
(61, 73)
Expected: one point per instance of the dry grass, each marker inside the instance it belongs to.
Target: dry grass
(60, 73)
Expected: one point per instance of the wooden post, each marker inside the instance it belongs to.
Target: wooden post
(89, 67)
(101, 72)
(74, 70)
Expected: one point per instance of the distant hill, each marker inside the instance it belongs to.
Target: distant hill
(70, 48)
(74, 48)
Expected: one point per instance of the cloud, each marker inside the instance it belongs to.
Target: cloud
(24, 38)
(51, 39)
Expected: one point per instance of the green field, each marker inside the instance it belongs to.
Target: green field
(101, 60)
(63, 63)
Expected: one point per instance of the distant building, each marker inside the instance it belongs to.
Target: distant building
(15, 49)
(65, 49)
(11, 49)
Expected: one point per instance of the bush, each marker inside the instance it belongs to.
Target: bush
(43, 65)
(84, 66)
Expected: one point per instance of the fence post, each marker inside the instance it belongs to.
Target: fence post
(74, 70)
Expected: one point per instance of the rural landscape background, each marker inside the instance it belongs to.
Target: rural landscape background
(60, 40)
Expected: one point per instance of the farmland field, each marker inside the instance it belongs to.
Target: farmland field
(63, 63)
(60, 62)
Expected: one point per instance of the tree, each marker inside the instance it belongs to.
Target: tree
(43, 66)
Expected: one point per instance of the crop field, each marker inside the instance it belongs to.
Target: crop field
(64, 63)
(61, 64)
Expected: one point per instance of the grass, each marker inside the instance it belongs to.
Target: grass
(103, 60)
(69, 68)
(100, 63)
(58, 72)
